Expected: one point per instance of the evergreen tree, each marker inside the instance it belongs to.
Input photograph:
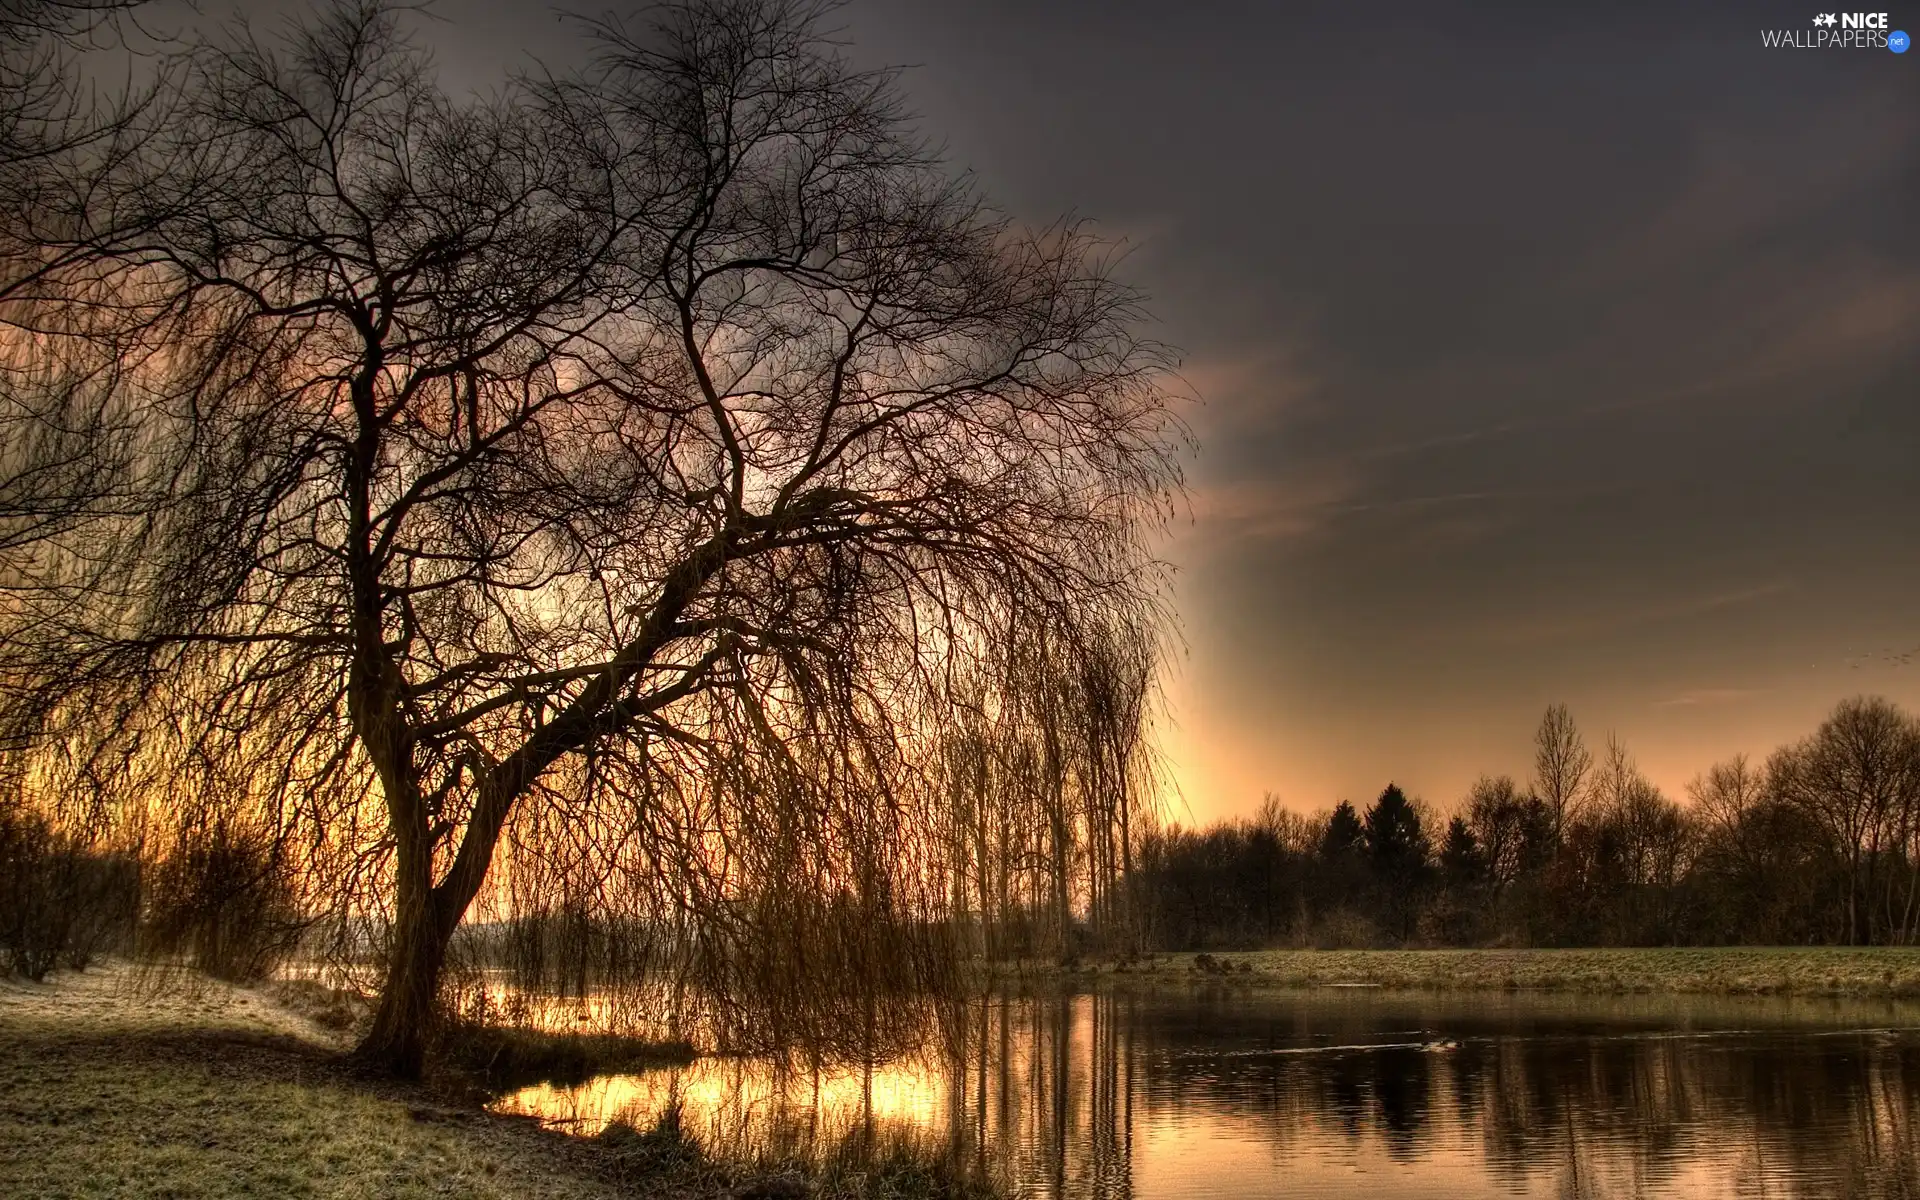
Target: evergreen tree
(1462, 865)
(1463, 883)
(1397, 851)
(1395, 843)
(1344, 836)
(1340, 877)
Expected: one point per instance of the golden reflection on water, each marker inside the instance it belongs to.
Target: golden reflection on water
(1189, 1096)
(737, 1100)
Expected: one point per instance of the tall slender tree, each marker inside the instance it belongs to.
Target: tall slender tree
(1561, 763)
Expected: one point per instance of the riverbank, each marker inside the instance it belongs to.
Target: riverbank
(1811, 971)
(111, 1087)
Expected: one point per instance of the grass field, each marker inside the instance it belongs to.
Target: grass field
(1831, 971)
(111, 1088)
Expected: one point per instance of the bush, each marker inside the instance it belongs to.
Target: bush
(60, 901)
(102, 892)
(225, 900)
(1345, 929)
(32, 919)
(665, 1145)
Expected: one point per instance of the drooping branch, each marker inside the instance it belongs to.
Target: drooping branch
(644, 466)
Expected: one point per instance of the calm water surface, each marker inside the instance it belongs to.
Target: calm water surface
(1173, 1095)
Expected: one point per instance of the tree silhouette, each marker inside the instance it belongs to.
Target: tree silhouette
(609, 489)
(1395, 843)
(1821, 846)
(1560, 765)
(1397, 852)
(1462, 866)
(1858, 778)
(1345, 836)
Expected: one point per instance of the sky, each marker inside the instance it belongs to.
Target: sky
(1543, 353)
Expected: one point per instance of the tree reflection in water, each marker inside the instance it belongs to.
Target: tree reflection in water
(1157, 1095)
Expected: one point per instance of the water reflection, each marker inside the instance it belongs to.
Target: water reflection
(1158, 1095)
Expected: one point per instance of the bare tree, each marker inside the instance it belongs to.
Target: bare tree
(1507, 828)
(628, 475)
(66, 128)
(1561, 762)
(1613, 785)
(1858, 778)
(1052, 770)
(1650, 831)
(1728, 792)
(1763, 863)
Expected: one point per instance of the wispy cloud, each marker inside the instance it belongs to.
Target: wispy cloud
(1704, 697)
(1563, 626)
(1855, 317)
(1316, 502)
(1443, 500)
(1295, 506)
(1248, 399)
(1750, 180)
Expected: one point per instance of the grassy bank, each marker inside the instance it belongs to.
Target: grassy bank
(110, 1089)
(1814, 971)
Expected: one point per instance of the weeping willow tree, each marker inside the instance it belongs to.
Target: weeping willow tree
(604, 497)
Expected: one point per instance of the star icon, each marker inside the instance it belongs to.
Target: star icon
(1825, 19)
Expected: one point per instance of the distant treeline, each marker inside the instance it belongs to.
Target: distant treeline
(1817, 844)
(1820, 844)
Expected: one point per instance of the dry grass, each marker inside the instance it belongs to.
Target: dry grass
(108, 1089)
(1811, 971)
(114, 999)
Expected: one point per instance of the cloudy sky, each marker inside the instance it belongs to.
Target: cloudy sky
(1548, 353)
(1544, 358)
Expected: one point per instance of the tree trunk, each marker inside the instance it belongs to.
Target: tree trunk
(397, 1042)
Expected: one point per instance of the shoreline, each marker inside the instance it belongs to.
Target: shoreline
(118, 1084)
(1891, 972)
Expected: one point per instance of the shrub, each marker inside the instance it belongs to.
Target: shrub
(225, 900)
(102, 892)
(60, 901)
(1345, 929)
(333, 1008)
(32, 920)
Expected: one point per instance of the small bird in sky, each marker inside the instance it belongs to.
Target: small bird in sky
(1886, 656)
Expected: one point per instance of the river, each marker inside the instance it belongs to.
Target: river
(1184, 1094)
